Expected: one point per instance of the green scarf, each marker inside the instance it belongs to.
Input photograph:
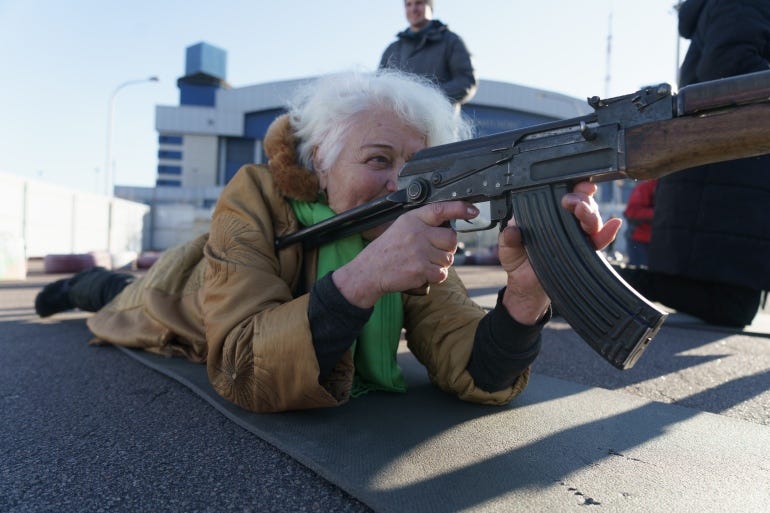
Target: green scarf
(374, 352)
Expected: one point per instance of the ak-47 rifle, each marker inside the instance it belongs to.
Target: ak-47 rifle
(524, 173)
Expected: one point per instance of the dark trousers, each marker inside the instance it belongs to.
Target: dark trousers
(94, 288)
(637, 253)
(715, 303)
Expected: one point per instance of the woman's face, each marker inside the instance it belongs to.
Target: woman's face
(376, 147)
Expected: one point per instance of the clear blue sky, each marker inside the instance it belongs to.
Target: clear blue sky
(63, 59)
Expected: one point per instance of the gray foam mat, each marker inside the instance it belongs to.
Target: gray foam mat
(558, 447)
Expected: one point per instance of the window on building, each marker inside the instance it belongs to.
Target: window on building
(170, 139)
(238, 151)
(169, 170)
(164, 182)
(168, 154)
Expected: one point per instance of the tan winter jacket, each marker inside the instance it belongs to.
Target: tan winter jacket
(229, 299)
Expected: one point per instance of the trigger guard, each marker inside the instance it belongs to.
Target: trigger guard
(463, 226)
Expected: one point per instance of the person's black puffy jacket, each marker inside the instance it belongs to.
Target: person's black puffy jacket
(713, 222)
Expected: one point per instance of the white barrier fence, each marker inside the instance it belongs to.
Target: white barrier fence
(49, 219)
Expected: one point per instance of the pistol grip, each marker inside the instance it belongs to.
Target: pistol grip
(614, 319)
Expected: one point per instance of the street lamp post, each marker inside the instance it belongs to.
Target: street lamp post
(109, 168)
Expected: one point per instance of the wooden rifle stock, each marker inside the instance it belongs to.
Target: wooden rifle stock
(657, 149)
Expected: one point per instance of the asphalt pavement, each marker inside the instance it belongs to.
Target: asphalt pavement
(86, 428)
(694, 365)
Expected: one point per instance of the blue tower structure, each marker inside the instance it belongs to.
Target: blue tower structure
(205, 72)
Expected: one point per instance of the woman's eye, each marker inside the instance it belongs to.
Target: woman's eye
(379, 161)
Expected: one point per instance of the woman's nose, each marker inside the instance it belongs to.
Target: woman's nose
(392, 183)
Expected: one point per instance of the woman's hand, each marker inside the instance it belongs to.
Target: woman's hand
(524, 298)
(415, 251)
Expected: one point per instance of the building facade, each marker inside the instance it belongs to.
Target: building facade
(217, 128)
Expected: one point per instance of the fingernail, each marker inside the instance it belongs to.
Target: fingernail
(473, 211)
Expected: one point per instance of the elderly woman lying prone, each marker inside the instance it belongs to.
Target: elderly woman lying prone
(291, 329)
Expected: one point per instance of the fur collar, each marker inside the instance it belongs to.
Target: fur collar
(293, 180)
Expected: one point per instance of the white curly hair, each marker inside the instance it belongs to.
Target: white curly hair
(322, 111)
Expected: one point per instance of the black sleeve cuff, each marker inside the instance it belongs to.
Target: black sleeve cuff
(334, 323)
(503, 348)
(502, 325)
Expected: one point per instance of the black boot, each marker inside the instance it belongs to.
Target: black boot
(639, 278)
(88, 290)
(54, 298)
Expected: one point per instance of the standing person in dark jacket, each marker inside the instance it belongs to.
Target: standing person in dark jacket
(710, 247)
(427, 47)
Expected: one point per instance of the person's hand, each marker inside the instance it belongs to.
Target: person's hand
(415, 251)
(524, 298)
